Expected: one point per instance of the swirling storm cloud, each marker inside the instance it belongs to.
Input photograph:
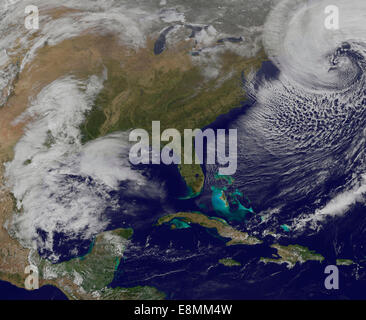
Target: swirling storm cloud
(302, 143)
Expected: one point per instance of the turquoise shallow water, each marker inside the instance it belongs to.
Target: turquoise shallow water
(229, 207)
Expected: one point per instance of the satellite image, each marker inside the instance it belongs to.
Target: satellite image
(182, 150)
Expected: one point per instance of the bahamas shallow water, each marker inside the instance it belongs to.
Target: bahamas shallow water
(168, 256)
(161, 257)
(301, 163)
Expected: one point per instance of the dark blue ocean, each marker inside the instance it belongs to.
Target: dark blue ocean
(10, 292)
(184, 263)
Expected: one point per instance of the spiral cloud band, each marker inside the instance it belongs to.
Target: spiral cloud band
(316, 106)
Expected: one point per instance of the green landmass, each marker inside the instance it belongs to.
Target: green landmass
(193, 177)
(222, 228)
(14, 278)
(135, 293)
(171, 89)
(92, 273)
(344, 262)
(139, 89)
(229, 262)
(95, 270)
(292, 254)
(124, 233)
